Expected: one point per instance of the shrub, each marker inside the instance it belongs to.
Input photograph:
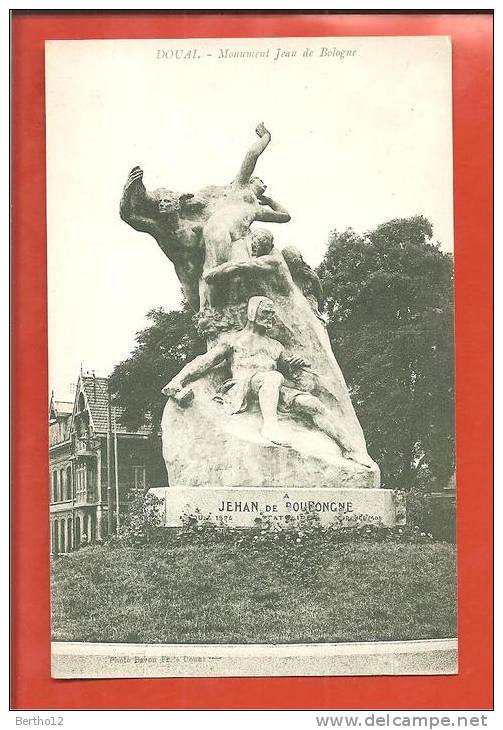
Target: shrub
(433, 513)
(142, 520)
(301, 530)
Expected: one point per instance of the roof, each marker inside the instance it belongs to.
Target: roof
(63, 407)
(59, 408)
(96, 394)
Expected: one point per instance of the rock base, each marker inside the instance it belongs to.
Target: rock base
(247, 506)
(202, 445)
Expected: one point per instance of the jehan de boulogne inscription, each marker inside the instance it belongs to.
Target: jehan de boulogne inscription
(309, 506)
(274, 54)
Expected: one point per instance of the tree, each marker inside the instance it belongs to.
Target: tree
(389, 302)
(162, 349)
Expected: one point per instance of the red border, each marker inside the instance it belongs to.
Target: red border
(32, 687)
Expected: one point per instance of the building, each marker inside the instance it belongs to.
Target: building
(96, 465)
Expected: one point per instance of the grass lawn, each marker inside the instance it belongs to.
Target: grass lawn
(219, 593)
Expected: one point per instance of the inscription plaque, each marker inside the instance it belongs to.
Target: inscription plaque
(246, 506)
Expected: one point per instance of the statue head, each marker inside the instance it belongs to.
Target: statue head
(258, 186)
(205, 324)
(262, 242)
(261, 312)
(293, 258)
(168, 202)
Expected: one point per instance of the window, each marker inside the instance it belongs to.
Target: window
(55, 486)
(69, 486)
(90, 484)
(81, 482)
(139, 478)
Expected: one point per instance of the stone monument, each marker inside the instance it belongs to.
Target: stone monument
(262, 423)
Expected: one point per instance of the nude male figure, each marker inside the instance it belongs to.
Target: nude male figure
(258, 364)
(160, 213)
(233, 208)
(263, 260)
(265, 269)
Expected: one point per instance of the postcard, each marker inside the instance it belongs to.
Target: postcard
(251, 357)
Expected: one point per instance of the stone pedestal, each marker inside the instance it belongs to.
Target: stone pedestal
(246, 506)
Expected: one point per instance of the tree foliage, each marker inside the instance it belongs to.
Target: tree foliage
(162, 349)
(389, 302)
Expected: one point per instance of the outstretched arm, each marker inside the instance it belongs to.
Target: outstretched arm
(132, 198)
(262, 263)
(211, 276)
(273, 213)
(198, 367)
(251, 157)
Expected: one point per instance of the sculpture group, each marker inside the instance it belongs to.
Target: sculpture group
(268, 353)
(198, 232)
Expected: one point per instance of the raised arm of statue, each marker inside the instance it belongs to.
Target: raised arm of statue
(133, 203)
(198, 367)
(248, 165)
(271, 211)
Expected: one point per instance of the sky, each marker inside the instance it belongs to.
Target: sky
(361, 133)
